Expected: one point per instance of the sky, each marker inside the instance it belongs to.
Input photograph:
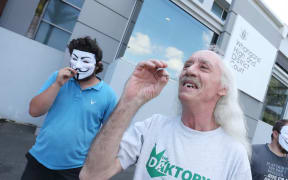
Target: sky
(279, 8)
(164, 31)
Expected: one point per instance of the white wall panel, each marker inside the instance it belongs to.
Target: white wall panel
(25, 65)
(123, 7)
(103, 19)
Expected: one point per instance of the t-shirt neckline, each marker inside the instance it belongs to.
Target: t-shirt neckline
(273, 154)
(192, 132)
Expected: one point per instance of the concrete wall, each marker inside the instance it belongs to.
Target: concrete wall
(18, 15)
(284, 46)
(252, 12)
(25, 66)
(258, 137)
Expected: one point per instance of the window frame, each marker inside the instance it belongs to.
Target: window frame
(56, 26)
(2, 6)
(214, 24)
(282, 77)
(223, 10)
(70, 4)
(52, 24)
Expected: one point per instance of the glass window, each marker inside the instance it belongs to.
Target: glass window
(201, 1)
(224, 15)
(217, 10)
(77, 3)
(61, 14)
(166, 32)
(52, 36)
(276, 100)
(58, 21)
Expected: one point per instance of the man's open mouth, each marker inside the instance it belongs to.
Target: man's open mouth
(190, 85)
(189, 82)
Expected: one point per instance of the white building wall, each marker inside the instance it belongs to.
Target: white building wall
(25, 66)
(18, 15)
(262, 133)
(284, 47)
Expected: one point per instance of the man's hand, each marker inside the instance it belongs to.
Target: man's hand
(64, 75)
(146, 82)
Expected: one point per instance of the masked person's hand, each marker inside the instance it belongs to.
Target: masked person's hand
(64, 75)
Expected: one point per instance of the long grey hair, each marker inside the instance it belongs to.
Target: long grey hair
(228, 113)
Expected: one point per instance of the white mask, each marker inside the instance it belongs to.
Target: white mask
(283, 138)
(83, 62)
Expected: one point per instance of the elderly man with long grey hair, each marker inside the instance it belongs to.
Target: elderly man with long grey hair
(207, 141)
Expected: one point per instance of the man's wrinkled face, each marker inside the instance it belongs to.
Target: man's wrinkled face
(200, 79)
(83, 62)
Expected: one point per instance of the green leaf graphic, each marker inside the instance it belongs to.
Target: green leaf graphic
(153, 162)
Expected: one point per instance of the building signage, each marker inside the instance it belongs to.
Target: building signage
(251, 57)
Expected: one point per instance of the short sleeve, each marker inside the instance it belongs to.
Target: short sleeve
(244, 174)
(48, 83)
(132, 142)
(243, 170)
(110, 108)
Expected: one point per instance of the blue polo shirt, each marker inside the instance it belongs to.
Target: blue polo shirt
(72, 123)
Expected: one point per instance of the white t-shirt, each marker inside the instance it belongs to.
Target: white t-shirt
(164, 148)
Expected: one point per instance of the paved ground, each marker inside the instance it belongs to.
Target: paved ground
(15, 141)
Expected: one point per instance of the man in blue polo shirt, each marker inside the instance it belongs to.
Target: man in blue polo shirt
(78, 103)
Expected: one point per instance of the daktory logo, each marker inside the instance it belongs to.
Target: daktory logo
(158, 165)
(244, 35)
